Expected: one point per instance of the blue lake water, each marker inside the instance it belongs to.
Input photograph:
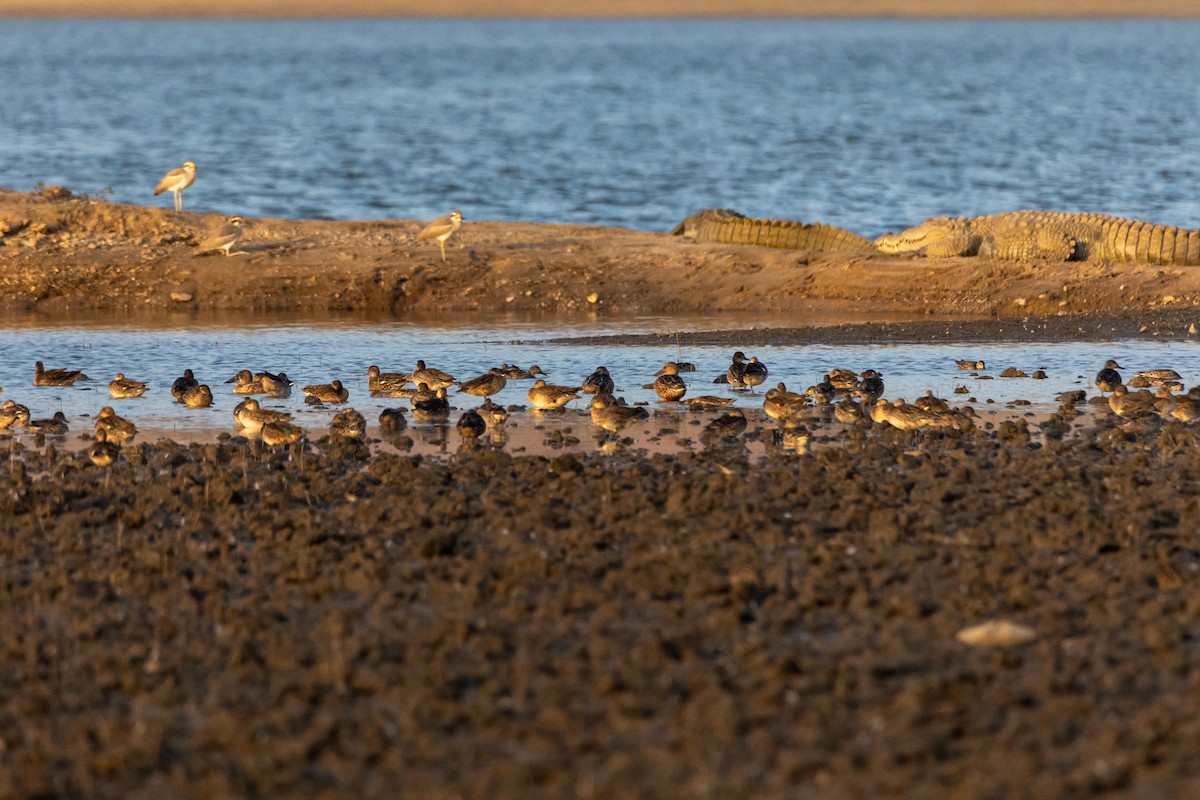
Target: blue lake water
(869, 124)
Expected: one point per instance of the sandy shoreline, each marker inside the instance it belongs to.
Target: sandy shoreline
(1033, 9)
(64, 254)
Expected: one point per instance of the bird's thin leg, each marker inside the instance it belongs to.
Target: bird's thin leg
(443, 244)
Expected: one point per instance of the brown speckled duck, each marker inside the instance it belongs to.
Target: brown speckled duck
(13, 414)
(1158, 377)
(115, 428)
(843, 380)
(906, 417)
(599, 382)
(544, 396)
(56, 377)
(55, 426)
(822, 393)
(197, 397)
(849, 413)
(434, 378)
(489, 383)
(422, 392)
(103, 453)
(708, 402)
(514, 373)
(735, 371)
(276, 386)
(1187, 408)
(870, 388)
(1108, 378)
(251, 416)
(667, 383)
(755, 373)
(613, 417)
(379, 381)
(332, 392)
(183, 383)
(493, 414)
(931, 402)
(392, 420)
(401, 392)
(471, 425)
(725, 429)
(780, 404)
(280, 433)
(245, 383)
(434, 409)
(122, 388)
(1131, 405)
(795, 435)
(348, 424)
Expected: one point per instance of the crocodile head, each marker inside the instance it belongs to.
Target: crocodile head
(939, 237)
(691, 226)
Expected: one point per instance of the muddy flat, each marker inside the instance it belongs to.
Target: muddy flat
(223, 619)
(695, 607)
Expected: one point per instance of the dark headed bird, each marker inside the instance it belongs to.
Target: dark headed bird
(1108, 379)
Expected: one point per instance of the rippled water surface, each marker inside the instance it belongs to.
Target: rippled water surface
(873, 125)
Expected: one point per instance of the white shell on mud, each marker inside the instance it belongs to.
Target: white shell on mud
(996, 633)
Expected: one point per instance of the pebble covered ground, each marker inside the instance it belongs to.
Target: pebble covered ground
(330, 619)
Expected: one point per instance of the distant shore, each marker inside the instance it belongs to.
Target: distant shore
(599, 9)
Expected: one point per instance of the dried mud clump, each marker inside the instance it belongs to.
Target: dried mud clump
(231, 619)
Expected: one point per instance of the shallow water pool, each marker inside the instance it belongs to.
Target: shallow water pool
(319, 351)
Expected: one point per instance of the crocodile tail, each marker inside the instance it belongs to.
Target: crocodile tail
(1171, 245)
(831, 237)
(775, 234)
(783, 234)
(690, 226)
(1187, 248)
(1144, 242)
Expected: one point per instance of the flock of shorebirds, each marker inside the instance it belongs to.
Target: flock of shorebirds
(848, 397)
(780, 403)
(229, 235)
(851, 398)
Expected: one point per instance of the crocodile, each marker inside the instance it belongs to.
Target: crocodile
(723, 226)
(1050, 235)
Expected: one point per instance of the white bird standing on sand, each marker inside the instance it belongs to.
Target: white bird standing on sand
(176, 181)
(442, 229)
(225, 238)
